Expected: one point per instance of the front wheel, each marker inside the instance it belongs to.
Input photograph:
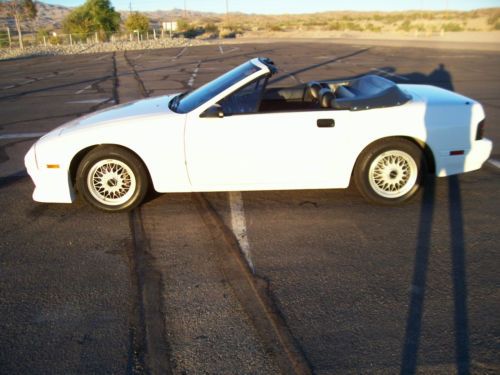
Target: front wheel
(112, 179)
(391, 172)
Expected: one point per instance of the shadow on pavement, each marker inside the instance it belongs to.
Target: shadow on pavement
(442, 78)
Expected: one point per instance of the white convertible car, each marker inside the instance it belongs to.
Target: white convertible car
(234, 133)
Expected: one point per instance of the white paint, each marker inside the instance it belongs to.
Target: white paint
(82, 90)
(179, 54)
(494, 163)
(239, 226)
(221, 50)
(101, 58)
(193, 76)
(89, 101)
(390, 74)
(21, 135)
(8, 87)
(233, 49)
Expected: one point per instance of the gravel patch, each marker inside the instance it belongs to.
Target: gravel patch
(97, 47)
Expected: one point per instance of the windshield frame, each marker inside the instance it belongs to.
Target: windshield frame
(219, 88)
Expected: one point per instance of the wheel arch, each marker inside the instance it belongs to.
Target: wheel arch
(75, 162)
(424, 147)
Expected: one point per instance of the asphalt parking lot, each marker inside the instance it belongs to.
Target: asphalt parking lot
(335, 285)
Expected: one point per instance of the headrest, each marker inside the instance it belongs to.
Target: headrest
(325, 97)
(314, 89)
(344, 92)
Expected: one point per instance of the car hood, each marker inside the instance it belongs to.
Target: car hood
(123, 112)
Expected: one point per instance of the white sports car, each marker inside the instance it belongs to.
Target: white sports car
(234, 133)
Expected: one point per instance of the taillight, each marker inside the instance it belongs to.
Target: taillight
(480, 130)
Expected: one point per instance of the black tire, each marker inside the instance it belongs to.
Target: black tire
(390, 172)
(112, 179)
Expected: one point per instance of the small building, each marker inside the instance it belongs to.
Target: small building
(169, 26)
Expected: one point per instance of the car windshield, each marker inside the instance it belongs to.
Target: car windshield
(184, 103)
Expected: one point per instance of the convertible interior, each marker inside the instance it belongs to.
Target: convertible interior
(366, 92)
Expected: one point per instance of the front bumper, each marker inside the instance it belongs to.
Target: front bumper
(473, 159)
(51, 185)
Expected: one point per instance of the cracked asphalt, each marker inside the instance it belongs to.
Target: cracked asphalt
(345, 287)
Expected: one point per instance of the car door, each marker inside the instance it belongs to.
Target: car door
(261, 151)
(258, 151)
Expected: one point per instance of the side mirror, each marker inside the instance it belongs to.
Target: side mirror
(213, 111)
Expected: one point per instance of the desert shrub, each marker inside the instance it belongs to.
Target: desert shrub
(211, 28)
(405, 26)
(493, 18)
(55, 39)
(419, 27)
(391, 19)
(193, 32)
(231, 30)
(428, 16)
(228, 34)
(275, 28)
(334, 26)
(452, 27)
(353, 26)
(371, 27)
(183, 25)
(4, 39)
(315, 23)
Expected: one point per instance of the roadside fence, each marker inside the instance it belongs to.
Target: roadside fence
(9, 38)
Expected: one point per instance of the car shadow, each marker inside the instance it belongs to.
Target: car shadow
(442, 78)
(409, 358)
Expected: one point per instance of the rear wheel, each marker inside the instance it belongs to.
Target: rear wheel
(390, 172)
(112, 179)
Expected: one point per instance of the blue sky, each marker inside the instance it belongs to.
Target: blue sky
(293, 6)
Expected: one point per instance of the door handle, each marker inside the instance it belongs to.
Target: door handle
(325, 123)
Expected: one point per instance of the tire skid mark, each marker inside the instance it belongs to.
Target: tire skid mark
(254, 295)
(114, 78)
(29, 80)
(239, 226)
(142, 88)
(149, 351)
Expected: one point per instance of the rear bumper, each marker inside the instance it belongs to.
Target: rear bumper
(472, 160)
(51, 185)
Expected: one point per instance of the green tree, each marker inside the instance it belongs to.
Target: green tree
(137, 21)
(20, 10)
(183, 24)
(93, 16)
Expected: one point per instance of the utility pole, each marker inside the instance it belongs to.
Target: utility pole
(130, 6)
(8, 34)
(227, 11)
(185, 9)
